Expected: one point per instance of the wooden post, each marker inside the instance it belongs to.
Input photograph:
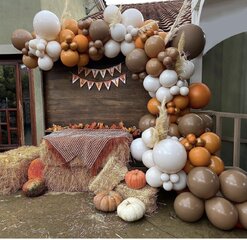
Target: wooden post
(236, 143)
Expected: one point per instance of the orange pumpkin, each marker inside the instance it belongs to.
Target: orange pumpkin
(69, 58)
(152, 106)
(216, 164)
(36, 169)
(212, 142)
(181, 102)
(199, 95)
(70, 24)
(135, 179)
(82, 43)
(199, 156)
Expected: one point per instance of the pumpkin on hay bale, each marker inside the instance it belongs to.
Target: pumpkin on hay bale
(36, 169)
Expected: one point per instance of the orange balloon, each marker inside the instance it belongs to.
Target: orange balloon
(82, 43)
(69, 58)
(212, 140)
(181, 102)
(216, 164)
(152, 23)
(83, 60)
(65, 35)
(188, 167)
(30, 62)
(152, 106)
(162, 34)
(199, 95)
(139, 43)
(173, 118)
(199, 157)
(70, 24)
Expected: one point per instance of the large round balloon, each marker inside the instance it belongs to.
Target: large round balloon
(20, 37)
(69, 58)
(233, 185)
(112, 14)
(194, 40)
(46, 25)
(127, 47)
(188, 207)
(169, 155)
(154, 45)
(151, 84)
(191, 123)
(146, 121)
(99, 30)
(132, 17)
(242, 213)
(118, 32)
(154, 67)
(136, 60)
(168, 78)
(208, 121)
(112, 49)
(45, 63)
(137, 148)
(203, 182)
(153, 177)
(30, 62)
(147, 159)
(212, 141)
(164, 93)
(53, 49)
(221, 213)
(173, 130)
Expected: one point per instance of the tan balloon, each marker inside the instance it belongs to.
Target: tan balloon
(173, 130)
(242, 213)
(146, 121)
(233, 185)
(221, 213)
(20, 37)
(30, 62)
(99, 30)
(154, 67)
(207, 119)
(203, 182)
(188, 207)
(154, 45)
(136, 60)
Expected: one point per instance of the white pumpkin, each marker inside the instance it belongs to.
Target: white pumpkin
(131, 209)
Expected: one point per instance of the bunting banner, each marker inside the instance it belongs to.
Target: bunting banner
(102, 72)
(99, 84)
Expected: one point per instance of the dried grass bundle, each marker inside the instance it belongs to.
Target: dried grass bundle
(13, 167)
(148, 195)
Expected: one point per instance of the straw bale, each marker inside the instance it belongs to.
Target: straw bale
(148, 195)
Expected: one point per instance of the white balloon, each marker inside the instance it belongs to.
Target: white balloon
(151, 84)
(187, 69)
(32, 50)
(153, 177)
(46, 24)
(112, 48)
(165, 177)
(134, 32)
(184, 91)
(168, 186)
(181, 184)
(174, 178)
(33, 43)
(180, 83)
(40, 54)
(169, 155)
(128, 37)
(174, 90)
(127, 47)
(118, 32)
(162, 93)
(129, 28)
(112, 14)
(152, 94)
(147, 138)
(147, 158)
(41, 46)
(45, 63)
(132, 17)
(137, 148)
(53, 49)
(174, 138)
(168, 78)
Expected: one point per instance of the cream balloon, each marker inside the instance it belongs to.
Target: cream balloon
(112, 14)
(186, 70)
(174, 90)
(168, 78)
(181, 184)
(118, 32)
(45, 63)
(184, 91)
(127, 47)
(137, 148)
(112, 49)
(147, 136)
(53, 49)
(147, 158)
(152, 94)
(169, 156)
(132, 17)
(151, 84)
(165, 177)
(174, 178)
(164, 93)
(153, 177)
(168, 186)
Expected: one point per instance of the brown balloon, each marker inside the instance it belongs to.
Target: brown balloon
(242, 213)
(191, 123)
(99, 30)
(154, 67)
(173, 130)
(233, 185)
(194, 39)
(30, 62)
(146, 121)
(136, 60)
(188, 207)
(208, 120)
(97, 56)
(203, 182)
(154, 45)
(221, 213)
(20, 37)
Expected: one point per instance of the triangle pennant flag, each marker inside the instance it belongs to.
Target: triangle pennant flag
(119, 67)
(102, 73)
(111, 71)
(107, 84)
(123, 78)
(80, 69)
(82, 82)
(74, 78)
(90, 84)
(95, 72)
(115, 81)
(87, 71)
(98, 85)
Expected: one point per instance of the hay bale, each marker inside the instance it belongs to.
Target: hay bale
(14, 166)
(148, 195)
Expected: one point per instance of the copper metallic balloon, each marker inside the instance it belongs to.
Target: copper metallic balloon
(188, 207)
(146, 121)
(154, 45)
(194, 39)
(30, 62)
(20, 37)
(136, 60)
(242, 213)
(203, 182)
(173, 130)
(208, 120)
(191, 123)
(233, 185)
(154, 67)
(221, 213)
(99, 30)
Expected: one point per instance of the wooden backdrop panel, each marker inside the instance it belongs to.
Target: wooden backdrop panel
(68, 103)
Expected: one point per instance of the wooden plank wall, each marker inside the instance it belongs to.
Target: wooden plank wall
(68, 103)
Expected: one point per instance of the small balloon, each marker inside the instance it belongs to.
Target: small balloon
(146, 121)
(45, 63)
(164, 93)
(153, 177)
(154, 45)
(147, 159)
(30, 62)
(137, 148)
